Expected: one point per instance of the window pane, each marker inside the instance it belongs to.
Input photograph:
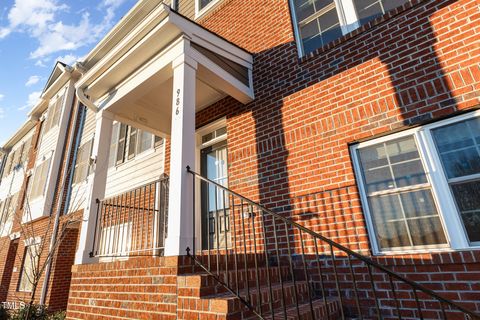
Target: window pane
(418, 203)
(145, 141)
(453, 137)
(318, 23)
(370, 9)
(392, 235)
(402, 149)
(467, 196)
(378, 180)
(461, 162)
(132, 142)
(409, 173)
(458, 145)
(426, 231)
(203, 3)
(386, 208)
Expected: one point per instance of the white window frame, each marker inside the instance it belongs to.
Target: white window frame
(447, 209)
(347, 16)
(200, 12)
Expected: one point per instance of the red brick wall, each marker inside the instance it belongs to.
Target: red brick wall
(289, 148)
(139, 288)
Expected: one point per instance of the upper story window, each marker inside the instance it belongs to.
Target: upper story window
(54, 112)
(408, 203)
(319, 22)
(129, 142)
(83, 164)
(201, 6)
(39, 180)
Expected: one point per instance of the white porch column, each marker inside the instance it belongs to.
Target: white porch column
(95, 185)
(180, 205)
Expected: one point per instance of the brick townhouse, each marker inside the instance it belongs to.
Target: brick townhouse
(234, 159)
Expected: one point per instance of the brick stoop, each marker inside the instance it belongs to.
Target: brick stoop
(203, 297)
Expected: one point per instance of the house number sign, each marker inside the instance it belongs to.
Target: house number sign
(177, 102)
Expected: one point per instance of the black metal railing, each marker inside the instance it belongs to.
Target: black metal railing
(280, 269)
(132, 223)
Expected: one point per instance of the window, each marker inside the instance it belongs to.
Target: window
(26, 150)
(458, 145)
(39, 180)
(9, 164)
(7, 212)
(29, 267)
(201, 6)
(370, 9)
(121, 144)
(319, 22)
(82, 165)
(132, 141)
(54, 112)
(407, 203)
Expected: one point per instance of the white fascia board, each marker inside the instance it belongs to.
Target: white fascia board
(19, 134)
(115, 66)
(222, 80)
(127, 21)
(52, 90)
(137, 34)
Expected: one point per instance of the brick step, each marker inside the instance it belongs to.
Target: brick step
(231, 305)
(208, 285)
(321, 311)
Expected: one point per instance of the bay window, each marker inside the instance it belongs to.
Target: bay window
(411, 205)
(319, 22)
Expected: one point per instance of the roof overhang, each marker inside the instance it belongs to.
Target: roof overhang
(60, 75)
(151, 33)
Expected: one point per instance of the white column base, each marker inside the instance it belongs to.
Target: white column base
(174, 245)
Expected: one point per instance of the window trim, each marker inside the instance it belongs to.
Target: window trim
(347, 16)
(447, 209)
(200, 12)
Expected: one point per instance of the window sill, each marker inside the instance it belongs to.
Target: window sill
(138, 157)
(363, 28)
(439, 256)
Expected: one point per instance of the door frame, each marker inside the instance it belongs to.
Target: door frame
(199, 133)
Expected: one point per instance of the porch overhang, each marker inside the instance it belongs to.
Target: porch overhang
(133, 78)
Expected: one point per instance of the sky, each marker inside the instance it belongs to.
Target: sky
(34, 34)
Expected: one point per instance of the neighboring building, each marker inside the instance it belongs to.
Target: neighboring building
(325, 140)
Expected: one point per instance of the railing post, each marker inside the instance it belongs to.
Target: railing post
(93, 252)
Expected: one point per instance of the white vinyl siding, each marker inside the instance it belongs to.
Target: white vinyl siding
(410, 205)
(319, 22)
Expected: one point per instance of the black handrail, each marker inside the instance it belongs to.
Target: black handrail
(275, 218)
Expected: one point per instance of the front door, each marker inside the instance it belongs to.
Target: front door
(215, 212)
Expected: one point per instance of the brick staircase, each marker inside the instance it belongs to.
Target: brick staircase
(291, 298)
